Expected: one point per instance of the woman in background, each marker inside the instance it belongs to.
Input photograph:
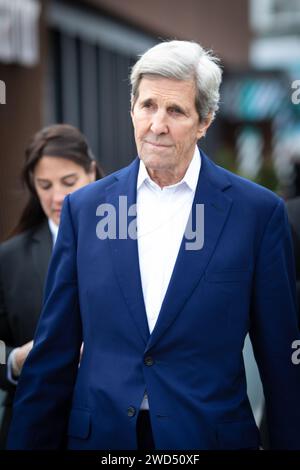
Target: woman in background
(58, 161)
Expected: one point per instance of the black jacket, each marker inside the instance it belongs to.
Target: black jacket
(24, 262)
(293, 209)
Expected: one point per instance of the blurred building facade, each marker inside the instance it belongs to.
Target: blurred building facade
(68, 61)
(85, 49)
(261, 111)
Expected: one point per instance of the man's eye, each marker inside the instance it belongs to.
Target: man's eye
(176, 110)
(147, 105)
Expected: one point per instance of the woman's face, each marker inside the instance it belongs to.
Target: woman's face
(54, 178)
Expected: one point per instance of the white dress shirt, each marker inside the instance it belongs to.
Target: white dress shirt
(162, 215)
(53, 229)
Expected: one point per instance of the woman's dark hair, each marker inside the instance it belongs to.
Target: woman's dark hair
(57, 140)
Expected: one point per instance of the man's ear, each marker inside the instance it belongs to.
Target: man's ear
(204, 125)
(132, 103)
(132, 113)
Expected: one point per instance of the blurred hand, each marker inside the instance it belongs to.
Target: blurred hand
(22, 353)
(20, 357)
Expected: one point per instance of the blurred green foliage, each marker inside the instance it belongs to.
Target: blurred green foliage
(266, 176)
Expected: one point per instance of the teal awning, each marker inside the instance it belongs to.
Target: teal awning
(253, 99)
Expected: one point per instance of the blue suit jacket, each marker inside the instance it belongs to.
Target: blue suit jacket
(241, 280)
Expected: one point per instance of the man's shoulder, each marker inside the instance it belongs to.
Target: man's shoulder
(252, 189)
(246, 190)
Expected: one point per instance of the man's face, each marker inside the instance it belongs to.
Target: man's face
(166, 124)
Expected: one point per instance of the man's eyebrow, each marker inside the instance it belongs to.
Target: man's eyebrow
(147, 100)
(170, 104)
(176, 105)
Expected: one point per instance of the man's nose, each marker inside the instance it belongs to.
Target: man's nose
(159, 123)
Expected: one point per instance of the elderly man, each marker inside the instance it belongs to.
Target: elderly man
(161, 269)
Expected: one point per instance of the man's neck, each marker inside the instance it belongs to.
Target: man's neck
(167, 177)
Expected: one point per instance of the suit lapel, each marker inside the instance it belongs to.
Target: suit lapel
(124, 252)
(190, 264)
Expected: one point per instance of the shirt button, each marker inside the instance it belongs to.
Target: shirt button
(149, 361)
(131, 411)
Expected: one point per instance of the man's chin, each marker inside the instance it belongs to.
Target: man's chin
(156, 164)
(158, 168)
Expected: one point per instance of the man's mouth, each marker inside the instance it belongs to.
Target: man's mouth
(157, 144)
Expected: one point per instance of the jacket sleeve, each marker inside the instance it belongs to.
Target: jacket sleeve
(273, 329)
(45, 388)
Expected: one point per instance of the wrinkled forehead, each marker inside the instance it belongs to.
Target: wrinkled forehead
(167, 92)
(168, 89)
(161, 80)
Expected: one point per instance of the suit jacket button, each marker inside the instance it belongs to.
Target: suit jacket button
(149, 361)
(131, 411)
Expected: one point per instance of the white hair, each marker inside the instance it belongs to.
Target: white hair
(182, 60)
